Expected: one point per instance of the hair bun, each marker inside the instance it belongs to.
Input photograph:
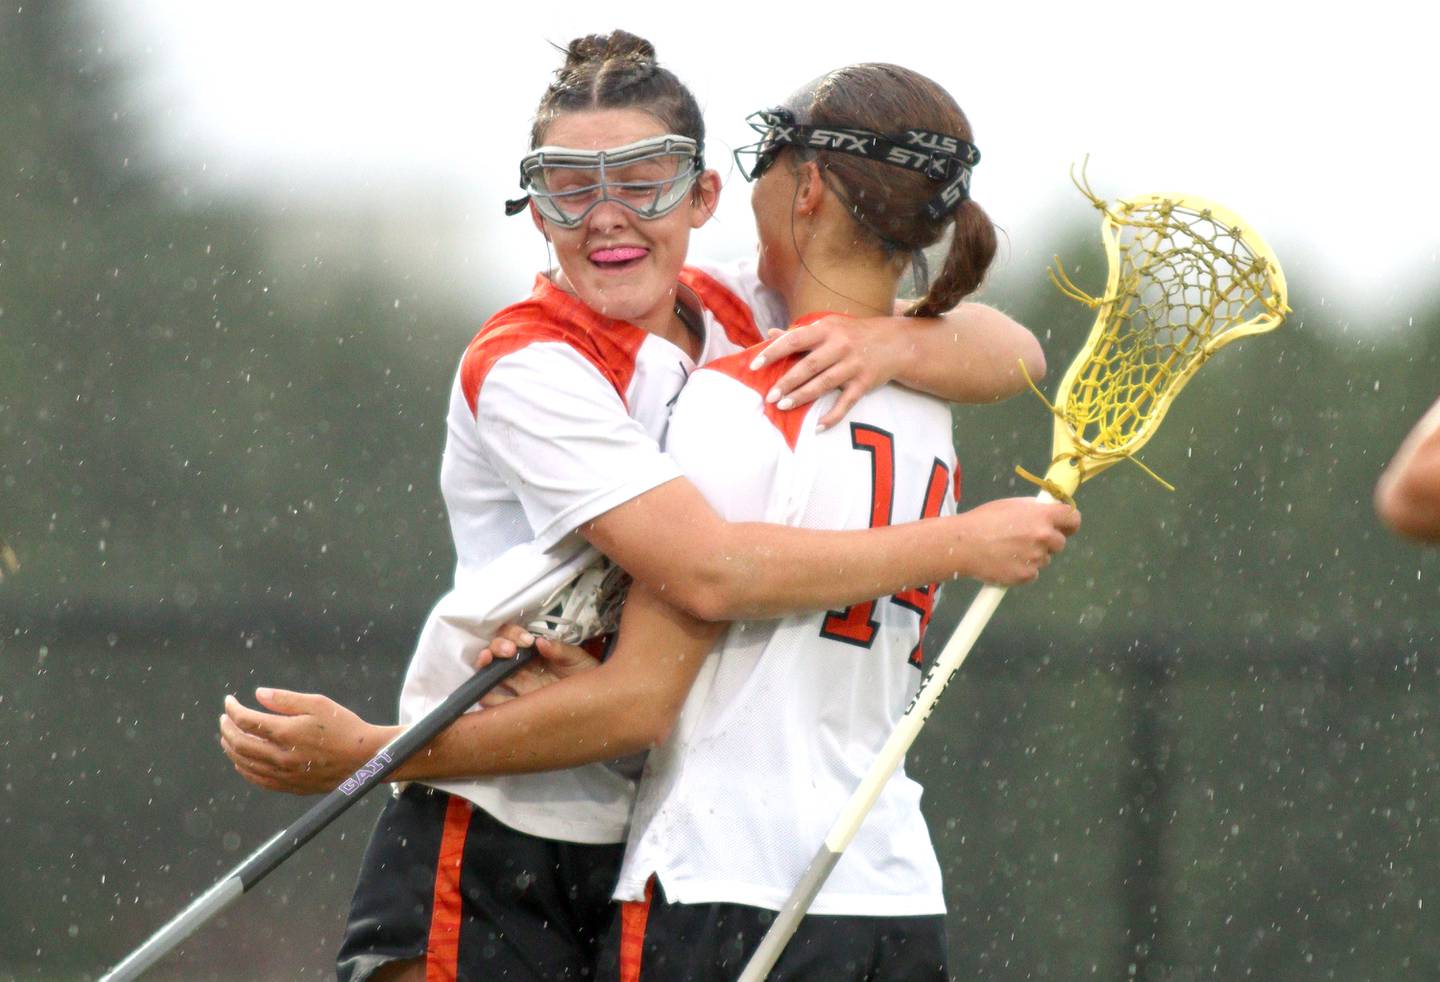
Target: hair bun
(617, 71)
(602, 48)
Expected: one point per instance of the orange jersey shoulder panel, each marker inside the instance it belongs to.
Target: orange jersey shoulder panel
(551, 315)
(737, 366)
(734, 314)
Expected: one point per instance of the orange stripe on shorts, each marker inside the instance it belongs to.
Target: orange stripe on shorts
(633, 915)
(442, 954)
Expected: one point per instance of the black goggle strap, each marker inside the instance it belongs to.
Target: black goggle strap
(937, 156)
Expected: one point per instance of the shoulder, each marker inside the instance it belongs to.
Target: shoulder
(762, 380)
(733, 293)
(737, 368)
(733, 377)
(518, 329)
(550, 330)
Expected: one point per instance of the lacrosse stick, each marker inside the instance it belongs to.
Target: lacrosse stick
(1186, 277)
(585, 607)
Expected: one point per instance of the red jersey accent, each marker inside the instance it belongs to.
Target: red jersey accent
(733, 313)
(633, 915)
(551, 314)
(737, 366)
(856, 624)
(922, 599)
(442, 952)
(881, 448)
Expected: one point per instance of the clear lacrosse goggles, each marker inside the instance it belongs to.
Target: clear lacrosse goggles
(650, 177)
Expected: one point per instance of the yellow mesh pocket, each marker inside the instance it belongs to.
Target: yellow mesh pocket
(1186, 277)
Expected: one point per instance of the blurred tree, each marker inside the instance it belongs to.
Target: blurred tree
(191, 422)
(1199, 743)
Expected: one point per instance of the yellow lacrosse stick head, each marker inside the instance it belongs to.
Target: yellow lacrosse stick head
(1186, 277)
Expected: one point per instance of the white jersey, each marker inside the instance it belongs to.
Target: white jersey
(556, 417)
(787, 715)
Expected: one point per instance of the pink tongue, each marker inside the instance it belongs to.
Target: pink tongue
(617, 255)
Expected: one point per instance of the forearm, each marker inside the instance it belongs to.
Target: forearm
(971, 355)
(719, 571)
(771, 571)
(576, 721)
(626, 705)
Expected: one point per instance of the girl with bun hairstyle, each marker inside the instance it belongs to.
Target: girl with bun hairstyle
(552, 451)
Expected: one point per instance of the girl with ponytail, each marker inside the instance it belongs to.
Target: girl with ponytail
(854, 175)
(482, 867)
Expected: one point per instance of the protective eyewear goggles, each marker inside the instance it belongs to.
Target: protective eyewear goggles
(650, 177)
(939, 157)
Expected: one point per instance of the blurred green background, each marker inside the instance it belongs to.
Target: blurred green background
(1201, 747)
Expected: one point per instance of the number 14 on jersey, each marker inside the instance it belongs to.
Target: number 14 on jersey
(857, 623)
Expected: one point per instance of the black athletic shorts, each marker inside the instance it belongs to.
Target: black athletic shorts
(657, 941)
(444, 881)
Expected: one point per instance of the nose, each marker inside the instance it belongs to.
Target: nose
(607, 216)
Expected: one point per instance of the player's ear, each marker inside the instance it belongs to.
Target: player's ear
(539, 222)
(809, 188)
(707, 197)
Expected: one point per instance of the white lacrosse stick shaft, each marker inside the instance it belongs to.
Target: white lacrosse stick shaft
(852, 816)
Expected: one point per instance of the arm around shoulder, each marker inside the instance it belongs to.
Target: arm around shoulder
(672, 541)
(974, 354)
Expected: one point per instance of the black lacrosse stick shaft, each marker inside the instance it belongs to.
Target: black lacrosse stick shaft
(284, 845)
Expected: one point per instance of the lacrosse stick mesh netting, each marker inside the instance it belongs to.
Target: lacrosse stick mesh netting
(1186, 277)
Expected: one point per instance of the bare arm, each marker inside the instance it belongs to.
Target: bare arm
(628, 704)
(308, 743)
(971, 355)
(1407, 496)
(556, 433)
(717, 570)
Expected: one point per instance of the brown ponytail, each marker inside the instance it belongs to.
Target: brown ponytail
(972, 249)
(888, 202)
(618, 71)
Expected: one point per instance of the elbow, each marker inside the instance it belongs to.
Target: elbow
(661, 715)
(659, 731)
(650, 720)
(1032, 356)
(1409, 510)
(711, 605)
(713, 592)
(1021, 364)
(1016, 344)
(713, 574)
(641, 737)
